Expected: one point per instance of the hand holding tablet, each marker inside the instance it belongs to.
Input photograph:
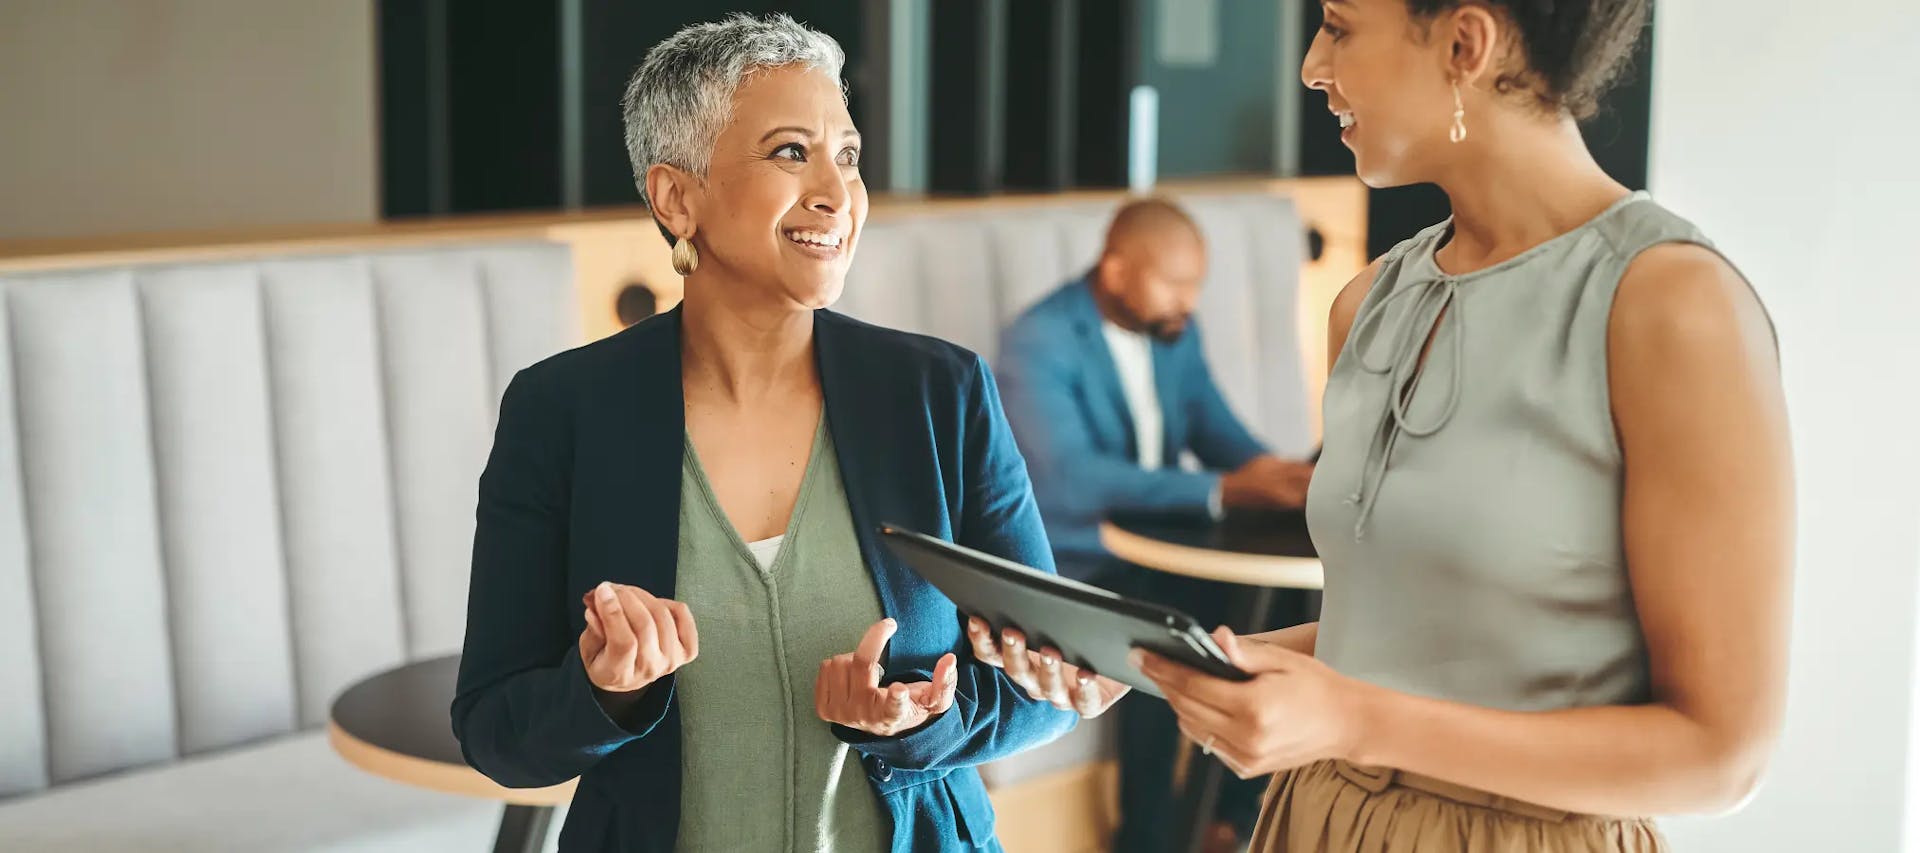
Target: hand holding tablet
(1089, 628)
(1042, 673)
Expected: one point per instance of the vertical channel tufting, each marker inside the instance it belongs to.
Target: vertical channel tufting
(337, 506)
(1279, 253)
(866, 274)
(263, 326)
(531, 312)
(219, 519)
(900, 267)
(951, 258)
(23, 733)
(87, 454)
(198, 535)
(1225, 312)
(1083, 232)
(880, 286)
(439, 412)
(1027, 258)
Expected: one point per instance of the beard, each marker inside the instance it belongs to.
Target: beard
(1167, 331)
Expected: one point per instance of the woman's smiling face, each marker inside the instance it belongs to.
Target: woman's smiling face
(1390, 91)
(782, 203)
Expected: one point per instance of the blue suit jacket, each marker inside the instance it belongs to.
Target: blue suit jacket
(583, 485)
(1068, 411)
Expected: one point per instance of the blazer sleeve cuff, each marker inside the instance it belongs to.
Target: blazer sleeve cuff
(916, 749)
(591, 718)
(919, 749)
(1195, 492)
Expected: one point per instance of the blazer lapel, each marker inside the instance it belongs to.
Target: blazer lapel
(626, 525)
(1104, 392)
(859, 408)
(1166, 385)
(641, 459)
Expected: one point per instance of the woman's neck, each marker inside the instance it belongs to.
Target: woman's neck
(738, 351)
(1524, 183)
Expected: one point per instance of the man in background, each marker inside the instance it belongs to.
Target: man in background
(1106, 387)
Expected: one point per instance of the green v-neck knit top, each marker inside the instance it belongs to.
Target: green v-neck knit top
(760, 770)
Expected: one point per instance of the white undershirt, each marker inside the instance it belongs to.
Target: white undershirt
(1133, 359)
(765, 550)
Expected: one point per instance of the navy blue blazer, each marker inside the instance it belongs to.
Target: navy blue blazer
(583, 486)
(1070, 416)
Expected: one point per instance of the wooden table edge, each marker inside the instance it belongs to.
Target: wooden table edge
(439, 776)
(1208, 564)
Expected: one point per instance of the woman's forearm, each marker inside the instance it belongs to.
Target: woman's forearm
(1615, 760)
(1299, 638)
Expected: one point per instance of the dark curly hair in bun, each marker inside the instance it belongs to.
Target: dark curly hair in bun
(1574, 49)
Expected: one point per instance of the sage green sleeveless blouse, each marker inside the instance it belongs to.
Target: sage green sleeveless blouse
(1468, 510)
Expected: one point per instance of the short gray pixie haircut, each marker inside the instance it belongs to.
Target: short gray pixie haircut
(682, 95)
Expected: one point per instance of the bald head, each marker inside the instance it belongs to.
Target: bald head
(1151, 268)
(1149, 223)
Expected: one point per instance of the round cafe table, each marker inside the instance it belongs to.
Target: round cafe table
(1264, 551)
(395, 725)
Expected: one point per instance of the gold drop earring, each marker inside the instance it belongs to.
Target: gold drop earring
(1458, 132)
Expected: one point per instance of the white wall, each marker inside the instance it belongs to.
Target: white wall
(141, 115)
(1788, 131)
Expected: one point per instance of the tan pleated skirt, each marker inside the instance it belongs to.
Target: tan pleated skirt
(1336, 807)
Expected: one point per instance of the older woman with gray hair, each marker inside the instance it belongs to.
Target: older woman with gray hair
(677, 591)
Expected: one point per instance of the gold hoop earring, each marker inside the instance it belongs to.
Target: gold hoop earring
(1458, 132)
(686, 258)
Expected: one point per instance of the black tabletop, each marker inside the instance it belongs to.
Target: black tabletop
(1271, 533)
(405, 710)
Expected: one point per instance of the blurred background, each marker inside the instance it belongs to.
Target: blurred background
(188, 114)
(265, 266)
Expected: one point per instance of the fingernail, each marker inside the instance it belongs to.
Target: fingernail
(605, 592)
(890, 622)
(1136, 658)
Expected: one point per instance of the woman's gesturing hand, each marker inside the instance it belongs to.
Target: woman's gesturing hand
(848, 691)
(634, 638)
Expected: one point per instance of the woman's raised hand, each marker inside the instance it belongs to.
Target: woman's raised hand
(634, 638)
(848, 690)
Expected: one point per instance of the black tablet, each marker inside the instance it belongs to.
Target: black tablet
(1092, 628)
